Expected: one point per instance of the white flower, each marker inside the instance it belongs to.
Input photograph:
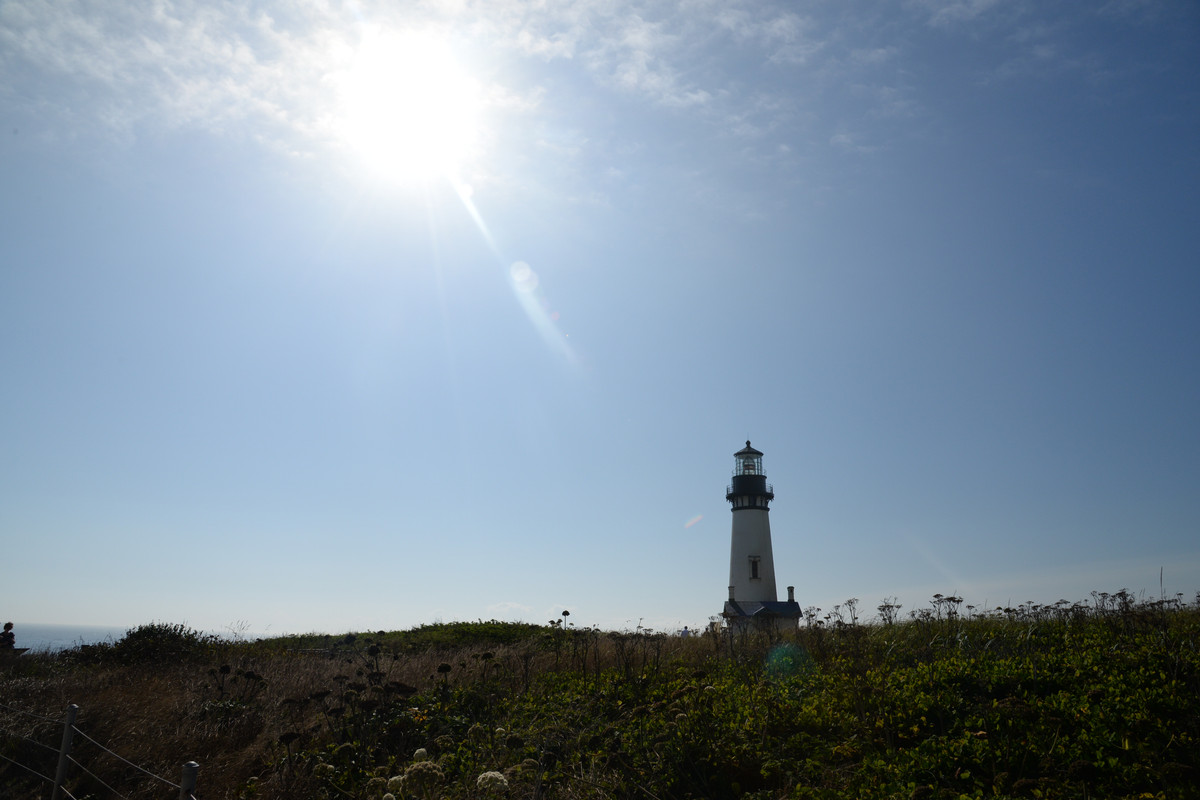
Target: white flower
(421, 755)
(491, 780)
(421, 778)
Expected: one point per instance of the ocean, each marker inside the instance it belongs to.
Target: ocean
(43, 637)
(52, 638)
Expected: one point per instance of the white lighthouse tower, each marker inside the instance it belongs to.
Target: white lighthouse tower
(752, 594)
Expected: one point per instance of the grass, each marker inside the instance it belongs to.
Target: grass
(1072, 700)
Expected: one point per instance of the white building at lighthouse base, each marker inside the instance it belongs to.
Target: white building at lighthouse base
(763, 615)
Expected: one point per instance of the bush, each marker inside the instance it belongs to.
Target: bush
(157, 642)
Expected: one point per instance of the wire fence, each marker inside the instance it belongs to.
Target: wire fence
(30, 755)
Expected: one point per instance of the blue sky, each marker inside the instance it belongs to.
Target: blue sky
(355, 316)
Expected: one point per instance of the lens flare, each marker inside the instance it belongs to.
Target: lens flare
(787, 659)
(523, 276)
(525, 284)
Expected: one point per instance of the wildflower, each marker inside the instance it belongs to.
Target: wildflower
(375, 787)
(389, 796)
(421, 754)
(395, 783)
(421, 778)
(490, 781)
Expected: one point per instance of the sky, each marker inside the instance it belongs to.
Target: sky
(328, 317)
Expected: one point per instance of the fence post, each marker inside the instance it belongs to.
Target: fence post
(187, 786)
(64, 751)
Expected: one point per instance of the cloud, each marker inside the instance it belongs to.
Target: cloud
(509, 609)
(753, 75)
(1048, 47)
(229, 69)
(270, 75)
(950, 12)
(851, 143)
(1142, 11)
(783, 35)
(874, 56)
(889, 101)
(636, 56)
(183, 64)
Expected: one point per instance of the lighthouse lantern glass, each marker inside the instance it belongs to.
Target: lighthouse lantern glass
(750, 465)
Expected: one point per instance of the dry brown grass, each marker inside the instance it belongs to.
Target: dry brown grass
(161, 715)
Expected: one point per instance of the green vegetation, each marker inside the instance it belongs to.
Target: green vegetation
(1095, 700)
(451, 635)
(154, 642)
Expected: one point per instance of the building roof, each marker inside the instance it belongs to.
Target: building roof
(761, 608)
(748, 450)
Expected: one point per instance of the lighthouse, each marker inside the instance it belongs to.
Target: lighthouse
(753, 598)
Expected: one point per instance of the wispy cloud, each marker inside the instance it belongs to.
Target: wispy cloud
(271, 75)
(951, 12)
(761, 77)
(782, 35)
(509, 609)
(874, 56)
(849, 142)
(182, 64)
(638, 59)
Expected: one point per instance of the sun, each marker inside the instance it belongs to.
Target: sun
(408, 109)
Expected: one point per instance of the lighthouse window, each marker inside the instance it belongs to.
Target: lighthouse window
(753, 568)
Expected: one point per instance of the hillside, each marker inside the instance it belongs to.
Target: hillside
(1072, 700)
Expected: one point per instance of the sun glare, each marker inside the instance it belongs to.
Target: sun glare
(408, 108)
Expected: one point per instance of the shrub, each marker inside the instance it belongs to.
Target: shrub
(156, 642)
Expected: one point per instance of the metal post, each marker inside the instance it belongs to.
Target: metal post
(187, 786)
(64, 751)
